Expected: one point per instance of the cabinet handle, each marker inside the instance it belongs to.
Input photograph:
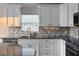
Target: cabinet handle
(46, 41)
(29, 46)
(46, 53)
(46, 46)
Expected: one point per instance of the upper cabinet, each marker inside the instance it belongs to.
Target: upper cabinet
(48, 14)
(3, 11)
(13, 13)
(63, 16)
(72, 8)
(10, 15)
(54, 15)
(57, 14)
(66, 13)
(44, 16)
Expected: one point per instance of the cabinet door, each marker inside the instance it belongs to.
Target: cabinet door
(63, 15)
(11, 51)
(10, 16)
(10, 11)
(3, 12)
(18, 50)
(29, 43)
(44, 16)
(3, 16)
(72, 8)
(54, 15)
(13, 16)
(59, 47)
(75, 7)
(17, 11)
(13, 11)
(4, 51)
(46, 47)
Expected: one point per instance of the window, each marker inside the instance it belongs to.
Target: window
(30, 21)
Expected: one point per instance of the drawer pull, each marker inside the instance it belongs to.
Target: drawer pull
(46, 47)
(46, 53)
(29, 46)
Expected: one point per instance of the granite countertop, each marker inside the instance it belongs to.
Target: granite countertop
(53, 37)
(67, 38)
(64, 37)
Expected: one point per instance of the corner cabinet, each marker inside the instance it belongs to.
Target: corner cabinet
(57, 14)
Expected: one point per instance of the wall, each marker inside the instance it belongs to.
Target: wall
(4, 32)
(29, 10)
(74, 32)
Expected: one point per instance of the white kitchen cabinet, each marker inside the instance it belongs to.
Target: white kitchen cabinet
(3, 12)
(59, 47)
(72, 8)
(9, 10)
(13, 14)
(9, 15)
(63, 18)
(44, 16)
(30, 43)
(66, 12)
(48, 14)
(44, 47)
(13, 11)
(54, 15)
(57, 14)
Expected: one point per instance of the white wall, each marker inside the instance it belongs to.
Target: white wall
(29, 10)
(4, 32)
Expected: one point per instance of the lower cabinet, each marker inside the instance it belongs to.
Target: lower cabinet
(3, 51)
(46, 47)
(29, 47)
(12, 50)
(43, 47)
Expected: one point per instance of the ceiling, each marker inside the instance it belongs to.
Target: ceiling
(25, 4)
(29, 4)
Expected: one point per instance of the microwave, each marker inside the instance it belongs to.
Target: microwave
(76, 19)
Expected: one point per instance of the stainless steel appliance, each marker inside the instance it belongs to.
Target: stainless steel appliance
(76, 19)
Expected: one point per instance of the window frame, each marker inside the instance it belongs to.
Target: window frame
(37, 24)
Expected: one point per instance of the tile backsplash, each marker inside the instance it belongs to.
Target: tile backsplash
(69, 31)
(74, 32)
(57, 31)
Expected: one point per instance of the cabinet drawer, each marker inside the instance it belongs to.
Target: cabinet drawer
(29, 45)
(46, 45)
(46, 41)
(24, 41)
(46, 52)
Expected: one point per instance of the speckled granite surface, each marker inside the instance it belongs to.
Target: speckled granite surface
(60, 33)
